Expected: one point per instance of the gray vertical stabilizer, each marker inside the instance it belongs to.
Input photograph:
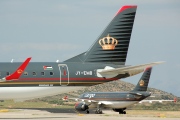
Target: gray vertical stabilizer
(144, 81)
(112, 45)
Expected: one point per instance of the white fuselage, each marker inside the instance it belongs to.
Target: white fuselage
(114, 104)
(26, 93)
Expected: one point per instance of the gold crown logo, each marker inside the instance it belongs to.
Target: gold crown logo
(19, 71)
(141, 82)
(108, 43)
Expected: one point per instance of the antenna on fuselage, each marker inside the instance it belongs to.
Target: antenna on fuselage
(12, 60)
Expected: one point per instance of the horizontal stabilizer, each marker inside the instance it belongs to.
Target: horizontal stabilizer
(129, 69)
(139, 94)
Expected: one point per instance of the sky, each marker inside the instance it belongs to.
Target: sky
(50, 30)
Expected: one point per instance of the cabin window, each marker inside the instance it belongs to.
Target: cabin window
(34, 73)
(7, 73)
(51, 73)
(25, 73)
(42, 73)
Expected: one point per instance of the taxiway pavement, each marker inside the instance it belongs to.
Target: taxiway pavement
(69, 114)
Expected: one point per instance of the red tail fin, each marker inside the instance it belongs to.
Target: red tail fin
(19, 71)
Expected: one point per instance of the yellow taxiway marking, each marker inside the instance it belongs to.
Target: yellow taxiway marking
(4, 110)
(80, 114)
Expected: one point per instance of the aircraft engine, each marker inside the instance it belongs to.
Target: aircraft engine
(117, 110)
(81, 106)
(121, 110)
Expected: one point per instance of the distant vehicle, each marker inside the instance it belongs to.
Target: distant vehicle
(103, 62)
(65, 98)
(117, 101)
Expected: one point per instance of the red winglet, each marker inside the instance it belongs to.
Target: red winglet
(126, 7)
(19, 71)
(148, 68)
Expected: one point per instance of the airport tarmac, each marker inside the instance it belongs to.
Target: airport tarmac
(69, 114)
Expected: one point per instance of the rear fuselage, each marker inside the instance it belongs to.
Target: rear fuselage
(56, 74)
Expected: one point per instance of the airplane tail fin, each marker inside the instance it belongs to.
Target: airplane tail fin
(112, 45)
(143, 82)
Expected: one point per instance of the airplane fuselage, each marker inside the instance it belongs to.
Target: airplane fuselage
(57, 74)
(114, 99)
(49, 78)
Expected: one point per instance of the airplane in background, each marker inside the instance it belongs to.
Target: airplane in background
(117, 101)
(103, 62)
